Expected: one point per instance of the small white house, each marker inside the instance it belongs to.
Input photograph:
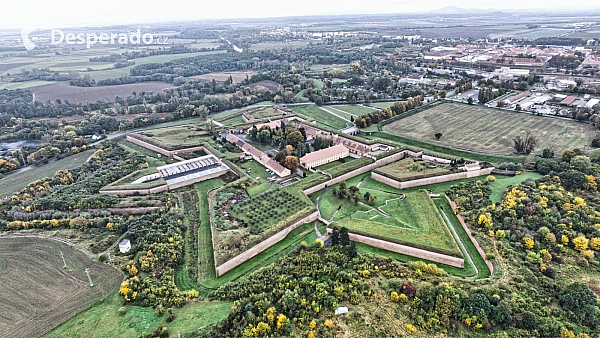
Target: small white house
(125, 245)
(341, 310)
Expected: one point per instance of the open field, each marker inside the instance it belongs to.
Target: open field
(180, 137)
(25, 84)
(76, 94)
(118, 72)
(280, 45)
(313, 112)
(15, 182)
(411, 169)
(353, 109)
(102, 319)
(38, 293)
(488, 130)
(222, 76)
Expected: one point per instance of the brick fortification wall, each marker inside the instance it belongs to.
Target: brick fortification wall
(262, 246)
(462, 222)
(374, 165)
(429, 180)
(408, 250)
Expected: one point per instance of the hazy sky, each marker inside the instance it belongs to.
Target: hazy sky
(64, 13)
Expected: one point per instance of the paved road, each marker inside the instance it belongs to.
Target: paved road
(461, 244)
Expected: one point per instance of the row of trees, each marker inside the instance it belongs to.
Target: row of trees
(398, 107)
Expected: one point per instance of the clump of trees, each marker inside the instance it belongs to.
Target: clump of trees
(525, 145)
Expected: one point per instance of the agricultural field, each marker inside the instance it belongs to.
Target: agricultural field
(74, 94)
(281, 45)
(38, 293)
(532, 34)
(118, 72)
(411, 169)
(25, 84)
(269, 84)
(488, 130)
(15, 182)
(222, 76)
(103, 320)
(319, 68)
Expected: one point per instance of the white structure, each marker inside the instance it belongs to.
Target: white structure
(324, 156)
(125, 246)
(341, 310)
(591, 103)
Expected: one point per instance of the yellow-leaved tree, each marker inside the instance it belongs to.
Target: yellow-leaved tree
(580, 243)
(529, 243)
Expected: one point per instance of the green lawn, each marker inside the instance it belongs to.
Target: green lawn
(292, 241)
(256, 170)
(206, 259)
(304, 233)
(414, 221)
(311, 111)
(16, 182)
(264, 113)
(102, 319)
(354, 109)
(234, 121)
(502, 182)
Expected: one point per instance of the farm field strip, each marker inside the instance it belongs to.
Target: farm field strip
(488, 130)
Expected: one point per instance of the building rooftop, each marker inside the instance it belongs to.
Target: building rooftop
(323, 153)
(568, 100)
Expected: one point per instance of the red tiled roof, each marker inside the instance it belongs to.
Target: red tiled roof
(568, 100)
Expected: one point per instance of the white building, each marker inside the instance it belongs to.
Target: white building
(125, 245)
(341, 310)
(324, 156)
